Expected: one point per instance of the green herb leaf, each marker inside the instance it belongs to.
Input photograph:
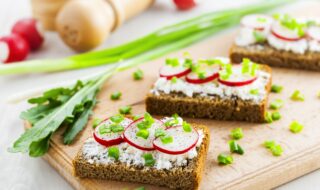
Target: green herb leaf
(138, 74)
(276, 88)
(224, 159)
(296, 127)
(186, 127)
(174, 80)
(236, 133)
(268, 117)
(254, 91)
(276, 104)
(117, 118)
(235, 147)
(159, 132)
(276, 116)
(143, 133)
(148, 160)
(166, 139)
(96, 122)
(116, 95)
(125, 110)
(297, 96)
(114, 152)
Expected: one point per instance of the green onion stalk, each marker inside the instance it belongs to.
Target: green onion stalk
(164, 37)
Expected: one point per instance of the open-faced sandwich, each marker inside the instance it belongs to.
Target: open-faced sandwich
(169, 152)
(212, 88)
(280, 41)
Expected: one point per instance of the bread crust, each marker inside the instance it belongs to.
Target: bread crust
(183, 177)
(213, 107)
(265, 54)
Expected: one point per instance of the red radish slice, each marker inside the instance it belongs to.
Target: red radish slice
(185, 4)
(212, 72)
(237, 78)
(284, 33)
(31, 30)
(256, 21)
(131, 138)
(314, 33)
(110, 139)
(13, 48)
(182, 141)
(169, 72)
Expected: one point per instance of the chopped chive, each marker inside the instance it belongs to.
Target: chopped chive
(174, 80)
(117, 118)
(136, 117)
(295, 127)
(143, 133)
(258, 36)
(160, 132)
(115, 128)
(104, 130)
(186, 126)
(276, 116)
(138, 74)
(224, 159)
(116, 95)
(276, 88)
(173, 62)
(245, 65)
(275, 148)
(254, 68)
(235, 147)
(236, 133)
(114, 152)
(269, 144)
(96, 122)
(297, 96)
(276, 104)
(148, 159)
(125, 110)
(166, 139)
(254, 91)
(268, 117)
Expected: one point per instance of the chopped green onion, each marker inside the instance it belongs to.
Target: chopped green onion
(143, 133)
(269, 144)
(138, 74)
(96, 122)
(160, 132)
(276, 104)
(173, 62)
(136, 117)
(276, 88)
(104, 130)
(261, 19)
(186, 126)
(292, 24)
(174, 80)
(117, 118)
(166, 139)
(258, 36)
(115, 128)
(236, 133)
(116, 95)
(297, 96)
(254, 68)
(114, 152)
(268, 117)
(224, 159)
(125, 110)
(172, 122)
(275, 148)
(245, 65)
(235, 147)
(276, 116)
(148, 159)
(295, 127)
(254, 91)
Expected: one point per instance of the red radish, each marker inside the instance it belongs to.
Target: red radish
(237, 78)
(182, 141)
(284, 33)
(185, 4)
(256, 21)
(211, 73)
(111, 138)
(314, 33)
(13, 48)
(31, 30)
(169, 72)
(131, 138)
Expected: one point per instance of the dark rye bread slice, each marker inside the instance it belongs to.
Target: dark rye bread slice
(183, 177)
(265, 54)
(213, 107)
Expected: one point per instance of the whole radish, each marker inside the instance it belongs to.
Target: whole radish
(185, 4)
(13, 48)
(31, 30)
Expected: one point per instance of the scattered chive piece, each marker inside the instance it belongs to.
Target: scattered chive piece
(125, 110)
(269, 144)
(173, 62)
(254, 91)
(116, 95)
(224, 159)
(96, 122)
(236, 133)
(186, 126)
(115, 128)
(138, 74)
(276, 104)
(159, 132)
(259, 37)
(117, 118)
(166, 139)
(136, 117)
(174, 80)
(235, 147)
(276, 116)
(295, 127)
(113, 152)
(143, 133)
(104, 130)
(148, 160)
(172, 122)
(276, 88)
(297, 96)
(275, 149)
(268, 117)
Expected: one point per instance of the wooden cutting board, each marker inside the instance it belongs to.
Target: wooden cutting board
(257, 169)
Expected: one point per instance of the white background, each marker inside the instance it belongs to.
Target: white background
(21, 172)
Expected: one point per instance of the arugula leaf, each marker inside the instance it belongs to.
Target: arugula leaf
(39, 148)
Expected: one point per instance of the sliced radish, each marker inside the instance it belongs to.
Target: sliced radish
(31, 30)
(256, 21)
(185, 4)
(314, 33)
(13, 48)
(131, 138)
(237, 78)
(110, 138)
(211, 73)
(182, 141)
(169, 72)
(284, 33)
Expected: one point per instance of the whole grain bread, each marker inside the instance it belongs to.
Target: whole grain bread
(213, 107)
(265, 54)
(183, 177)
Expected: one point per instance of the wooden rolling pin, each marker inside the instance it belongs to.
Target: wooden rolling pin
(85, 24)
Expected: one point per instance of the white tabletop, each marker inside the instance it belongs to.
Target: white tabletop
(18, 171)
